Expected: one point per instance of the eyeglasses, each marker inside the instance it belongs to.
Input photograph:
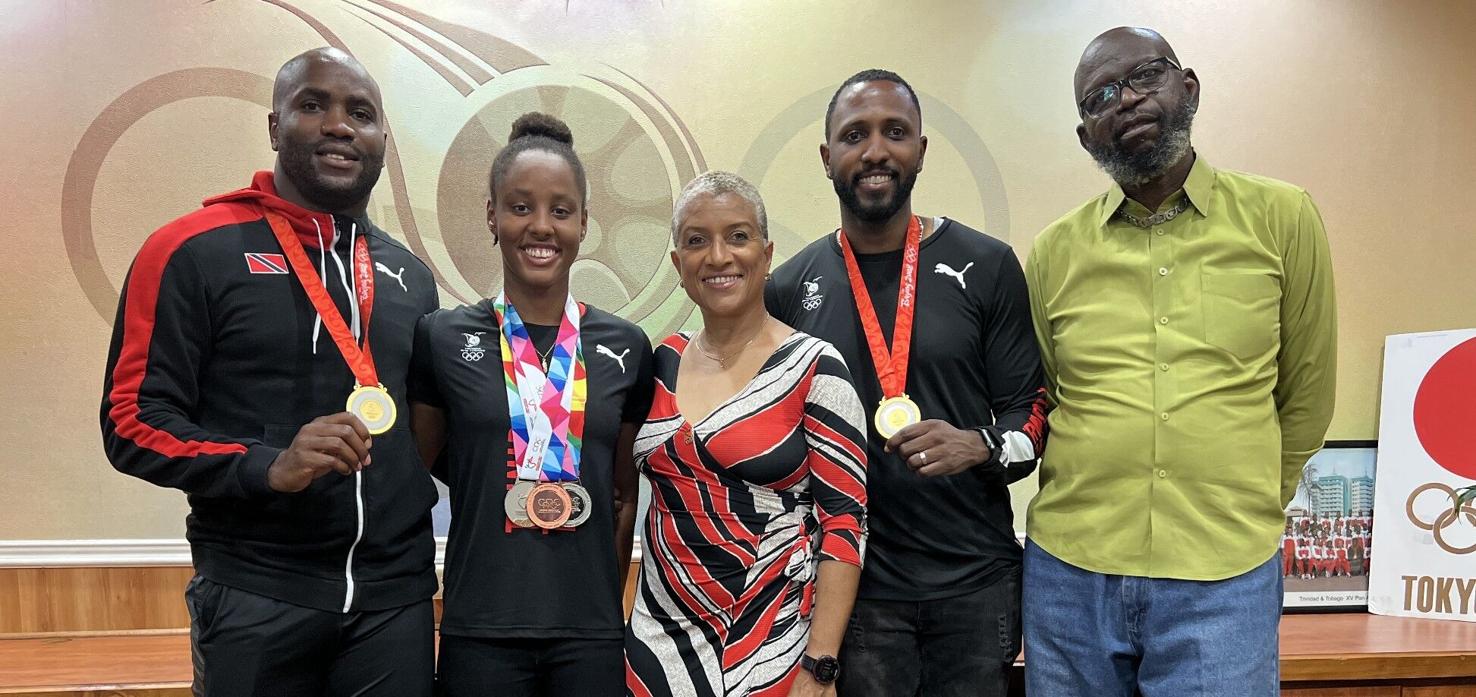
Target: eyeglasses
(1145, 79)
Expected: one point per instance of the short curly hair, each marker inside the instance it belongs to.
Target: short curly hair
(715, 184)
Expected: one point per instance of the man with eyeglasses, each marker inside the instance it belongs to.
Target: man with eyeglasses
(1188, 332)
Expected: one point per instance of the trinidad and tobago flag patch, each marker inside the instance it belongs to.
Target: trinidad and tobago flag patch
(257, 262)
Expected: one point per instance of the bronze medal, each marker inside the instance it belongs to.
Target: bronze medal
(549, 506)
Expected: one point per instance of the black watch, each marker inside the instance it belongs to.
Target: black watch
(995, 442)
(825, 668)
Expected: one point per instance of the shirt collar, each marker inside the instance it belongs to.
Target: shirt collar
(1199, 187)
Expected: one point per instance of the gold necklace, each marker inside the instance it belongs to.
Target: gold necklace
(722, 361)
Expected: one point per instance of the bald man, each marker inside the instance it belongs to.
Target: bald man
(1188, 332)
(258, 364)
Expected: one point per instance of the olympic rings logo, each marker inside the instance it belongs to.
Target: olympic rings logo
(1447, 517)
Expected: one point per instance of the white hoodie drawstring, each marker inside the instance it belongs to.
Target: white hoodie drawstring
(349, 281)
(354, 278)
(344, 276)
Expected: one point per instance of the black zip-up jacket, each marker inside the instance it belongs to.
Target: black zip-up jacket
(218, 358)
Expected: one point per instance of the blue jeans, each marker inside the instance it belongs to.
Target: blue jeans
(1097, 635)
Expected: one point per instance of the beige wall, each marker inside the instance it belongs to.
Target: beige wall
(121, 116)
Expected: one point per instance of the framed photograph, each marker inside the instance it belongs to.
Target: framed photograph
(1327, 545)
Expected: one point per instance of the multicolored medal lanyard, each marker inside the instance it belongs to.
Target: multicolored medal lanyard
(896, 410)
(546, 409)
(369, 401)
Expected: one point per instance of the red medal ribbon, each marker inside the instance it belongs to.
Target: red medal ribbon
(891, 369)
(360, 361)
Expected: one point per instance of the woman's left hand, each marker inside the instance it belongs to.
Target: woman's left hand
(805, 685)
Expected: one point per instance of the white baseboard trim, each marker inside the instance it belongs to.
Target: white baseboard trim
(45, 554)
(63, 553)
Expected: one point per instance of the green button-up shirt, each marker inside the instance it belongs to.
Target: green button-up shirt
(1191, 366)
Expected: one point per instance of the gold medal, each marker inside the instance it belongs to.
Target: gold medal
(374, 406)
(895, 414)
(549, 506)
(516, 503)
(581, 505)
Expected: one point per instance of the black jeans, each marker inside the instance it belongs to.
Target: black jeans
(248, 645)
(472, 667)
(953, 647)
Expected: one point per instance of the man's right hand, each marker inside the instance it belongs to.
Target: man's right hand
(334, 443)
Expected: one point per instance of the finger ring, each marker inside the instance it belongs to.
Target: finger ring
(923, 456)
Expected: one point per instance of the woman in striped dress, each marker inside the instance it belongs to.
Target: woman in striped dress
(755, 450)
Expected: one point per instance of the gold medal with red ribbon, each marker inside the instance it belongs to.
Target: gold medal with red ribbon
(896, 410)
(369, 401)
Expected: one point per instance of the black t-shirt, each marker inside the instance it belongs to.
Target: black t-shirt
(527, 583)
(974, 363)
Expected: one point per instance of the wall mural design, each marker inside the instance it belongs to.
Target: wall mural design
(638, 153)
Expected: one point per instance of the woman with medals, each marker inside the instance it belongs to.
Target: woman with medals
(755, 450)
(528, 404)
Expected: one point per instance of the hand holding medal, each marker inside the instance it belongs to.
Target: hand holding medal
(934, 448)
(335, 443)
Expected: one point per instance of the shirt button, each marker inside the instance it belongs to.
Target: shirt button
(1163, 320)
(1164, 416)
(1158, 232)
(1163, 366)
(1163, 271)
(1163, 474)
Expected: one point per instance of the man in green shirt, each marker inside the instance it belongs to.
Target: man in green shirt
(1188, 330)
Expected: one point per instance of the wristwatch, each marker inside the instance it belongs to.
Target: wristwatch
(995, 442)
(825, 668)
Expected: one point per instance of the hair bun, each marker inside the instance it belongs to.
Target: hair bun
(538, 124)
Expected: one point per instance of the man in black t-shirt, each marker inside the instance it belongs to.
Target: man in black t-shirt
(959, 406)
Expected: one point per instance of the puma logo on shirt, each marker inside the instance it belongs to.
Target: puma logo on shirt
(947, 270)
(604, 350)
(397, 276)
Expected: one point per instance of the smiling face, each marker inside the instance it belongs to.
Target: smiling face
(327, 129)
(875, 149)
(537, 216)
(721, 255)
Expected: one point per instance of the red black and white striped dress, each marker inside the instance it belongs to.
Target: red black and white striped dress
(744, 505)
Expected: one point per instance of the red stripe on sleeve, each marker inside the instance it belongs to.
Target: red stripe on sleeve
(138, 331)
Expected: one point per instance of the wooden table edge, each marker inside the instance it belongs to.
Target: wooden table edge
(1378, 666)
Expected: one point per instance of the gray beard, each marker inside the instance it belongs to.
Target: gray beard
(1137, 169)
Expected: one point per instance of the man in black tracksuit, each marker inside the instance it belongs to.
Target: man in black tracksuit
(226, 379)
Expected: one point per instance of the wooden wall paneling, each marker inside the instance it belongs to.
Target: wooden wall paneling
(1381, 691)
(101, 599)
(632, 582)
(83, 599)
(1461, 690)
